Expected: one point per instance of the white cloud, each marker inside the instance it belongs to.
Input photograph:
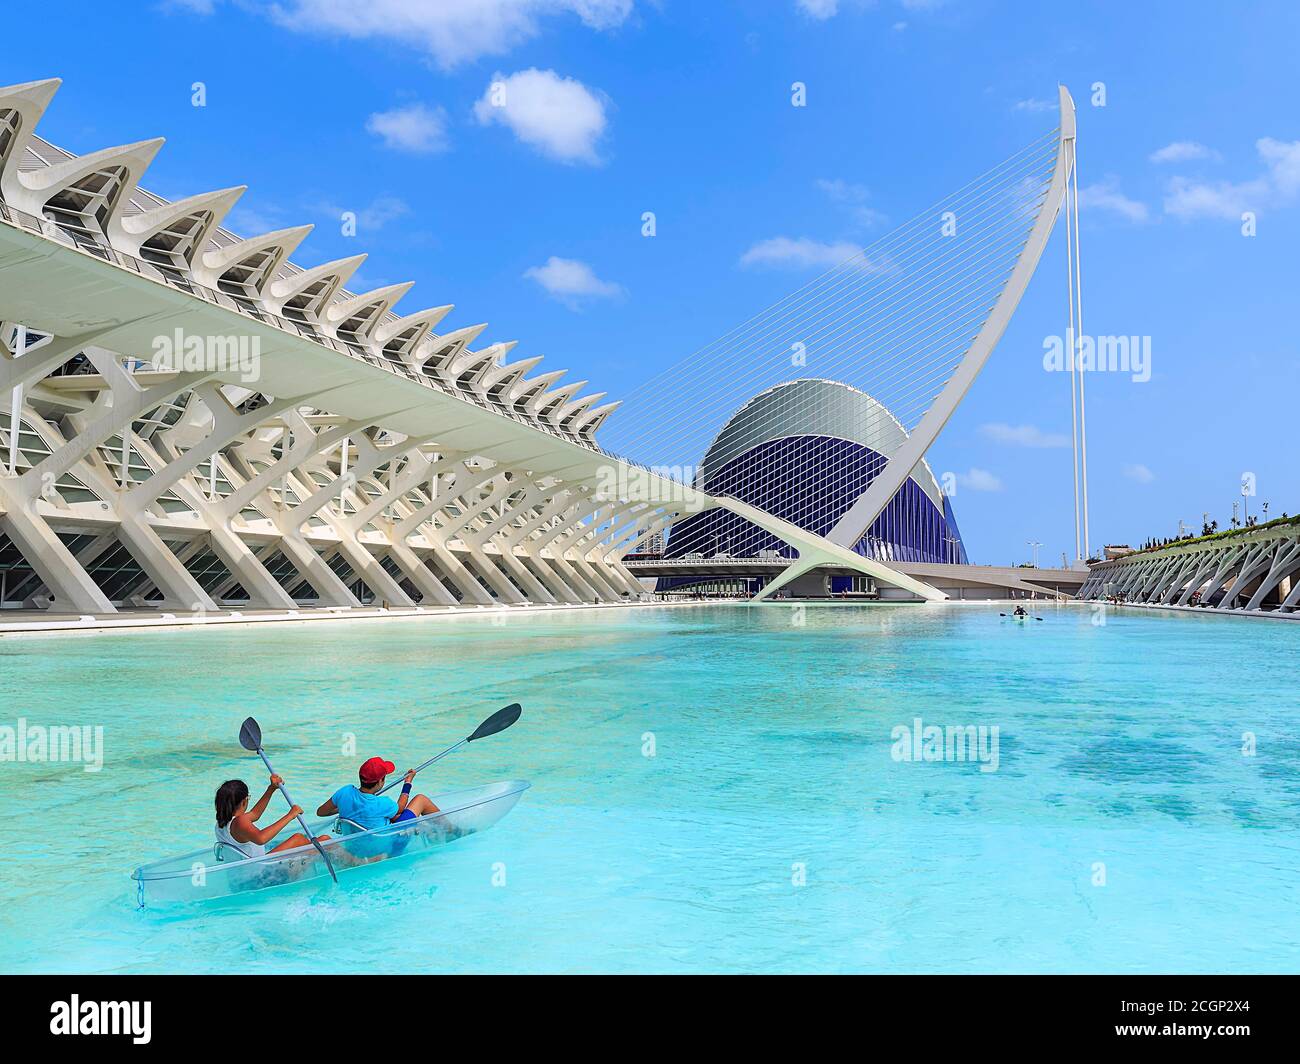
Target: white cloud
(374, 215)
(1220, 199)
(361, 282)
(1106, 196)
(1183, 151)
(415, 128)
(254, 221)
(1283, 161)
(798, 253)
(1024, 435)
(821, 10)
(572, 282)
(452, 31)
(842, 191)
(818, 9)
(1140, 473)
(1277, 186)
(978, 480)
(382, 210)
(1035, 106)
(560, 117)
(853, 197)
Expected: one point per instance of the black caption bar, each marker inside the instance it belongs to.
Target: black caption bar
(140, 1013)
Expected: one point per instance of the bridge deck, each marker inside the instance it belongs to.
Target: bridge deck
(955, 580)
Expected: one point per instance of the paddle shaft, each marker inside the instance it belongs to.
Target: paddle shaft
(431, 760)
(305, 829)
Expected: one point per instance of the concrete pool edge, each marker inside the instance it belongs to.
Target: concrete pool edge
(92, 624)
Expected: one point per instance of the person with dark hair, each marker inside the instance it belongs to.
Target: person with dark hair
(365, 807)
(237, 824)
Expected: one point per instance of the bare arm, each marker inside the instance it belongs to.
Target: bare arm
(405, 796)
(328, 808)
(244, 830)
(256, 812)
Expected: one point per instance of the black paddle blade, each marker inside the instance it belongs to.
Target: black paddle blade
(499, 721)
(250, 735)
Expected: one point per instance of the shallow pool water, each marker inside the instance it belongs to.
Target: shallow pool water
(714, 789)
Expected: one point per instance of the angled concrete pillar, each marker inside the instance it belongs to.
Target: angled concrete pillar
(69, 583)
(1285, 561)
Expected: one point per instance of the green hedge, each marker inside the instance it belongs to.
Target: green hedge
(1277, 522)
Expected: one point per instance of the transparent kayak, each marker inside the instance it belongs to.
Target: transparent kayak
(219, 871)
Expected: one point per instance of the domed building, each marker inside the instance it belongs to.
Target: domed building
(805, 451)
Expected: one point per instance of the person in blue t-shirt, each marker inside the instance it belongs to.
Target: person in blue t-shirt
(367, 808)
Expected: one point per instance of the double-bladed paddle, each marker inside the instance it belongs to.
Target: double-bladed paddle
(498, 722)
(250, 738)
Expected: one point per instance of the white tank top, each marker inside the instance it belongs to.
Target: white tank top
(248, 849)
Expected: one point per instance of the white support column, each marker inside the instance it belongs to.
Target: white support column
(579, 587)
(424, 578)
(1286, 560)
(69, 583)
(421, 521)
(1228, 559)
(1205, 566)
(129, 402)
(16, 403)
(1255, 563)
(1174, 586)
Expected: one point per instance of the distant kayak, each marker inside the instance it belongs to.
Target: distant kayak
(220, 871)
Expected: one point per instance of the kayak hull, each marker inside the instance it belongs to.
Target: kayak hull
(202, 875)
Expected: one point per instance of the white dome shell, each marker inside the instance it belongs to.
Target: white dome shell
(812, 406)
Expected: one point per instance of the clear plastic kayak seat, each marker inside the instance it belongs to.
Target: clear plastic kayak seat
(222, 871)
(224, 851)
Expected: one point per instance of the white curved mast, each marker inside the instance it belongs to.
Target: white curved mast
(859, 517)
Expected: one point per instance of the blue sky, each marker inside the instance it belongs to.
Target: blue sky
(533, 222)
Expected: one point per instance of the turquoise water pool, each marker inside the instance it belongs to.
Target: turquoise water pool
(774, 829)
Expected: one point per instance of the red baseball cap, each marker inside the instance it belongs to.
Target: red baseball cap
(376, 769)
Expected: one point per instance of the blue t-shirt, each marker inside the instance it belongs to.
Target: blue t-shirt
(367, 810)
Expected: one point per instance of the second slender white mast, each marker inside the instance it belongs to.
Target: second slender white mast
(1076, 361)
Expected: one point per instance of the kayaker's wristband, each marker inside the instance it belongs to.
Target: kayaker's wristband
(406, 790)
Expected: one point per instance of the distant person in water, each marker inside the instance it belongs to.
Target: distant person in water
(1021, 612)
(237, 824)
(364, 806)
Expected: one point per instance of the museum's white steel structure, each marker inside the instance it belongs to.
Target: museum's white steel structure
(193, 421)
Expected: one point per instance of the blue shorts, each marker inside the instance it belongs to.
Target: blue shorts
(405, 814)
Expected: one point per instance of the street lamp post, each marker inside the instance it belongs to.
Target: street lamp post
(951, 540)
(1034, 545)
